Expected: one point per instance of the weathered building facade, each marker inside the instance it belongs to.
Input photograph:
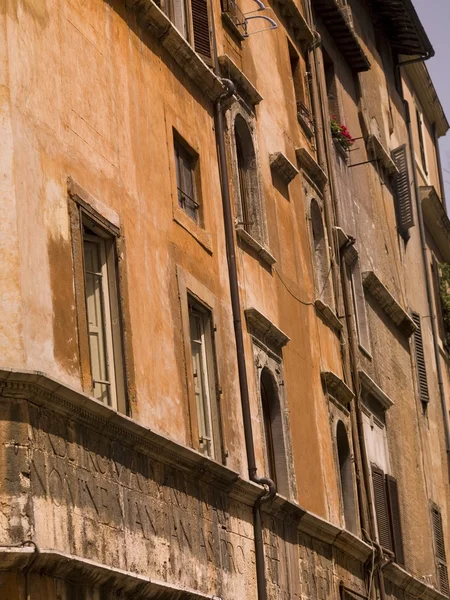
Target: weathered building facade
(224, 313)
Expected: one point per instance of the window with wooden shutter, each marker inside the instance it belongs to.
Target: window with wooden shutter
(200, 25)
(420, 360)
(185, 166)
(439, 546)
(396, 525)
(381, 508)
(403, 196)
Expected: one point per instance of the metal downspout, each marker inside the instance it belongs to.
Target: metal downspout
(237, 321)
(433, 319)
(365, 494)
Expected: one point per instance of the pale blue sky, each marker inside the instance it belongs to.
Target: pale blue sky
(435, 17)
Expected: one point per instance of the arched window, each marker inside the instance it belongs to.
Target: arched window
(273, 432)
(346, 476)
(320, 252)
(249, 210)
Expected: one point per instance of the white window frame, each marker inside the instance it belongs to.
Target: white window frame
(206, 377)
(112, 333)
(420, 128)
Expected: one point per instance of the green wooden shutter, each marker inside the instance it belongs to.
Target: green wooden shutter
(381, 508)
(403, 197)
(200, 22)
(420, 360)
(396, 525)
(441, 560)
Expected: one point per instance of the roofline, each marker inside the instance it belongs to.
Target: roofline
(425, 91)
(420, 28)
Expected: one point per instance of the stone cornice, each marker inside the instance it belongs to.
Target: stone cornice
(328, 315)
(380, 153)
(311, 167)
(44, 391)
(369, 384)
(150, 17)
(336, 387)
(68, 566)
(264, 329)
(230, 70)
(388, 303)
(283, 166)
(413, 586)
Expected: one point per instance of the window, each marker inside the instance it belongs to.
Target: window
(346, 476)
(331, 86)
(192, 21)
(249, 205)
(387, 508)
(439, 550)
(419, 121)
(322, 269)
(301, 88)
(103, 316)
(185, 165)
(420, 360)
(273, 431)
(402, 192)
(359, 305)
(203, 371)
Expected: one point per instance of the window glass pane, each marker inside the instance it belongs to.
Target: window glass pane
(96, 318)
(185, 164)
(201, 380)
(179, 17)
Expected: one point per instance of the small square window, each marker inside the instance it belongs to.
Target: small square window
(185, 163)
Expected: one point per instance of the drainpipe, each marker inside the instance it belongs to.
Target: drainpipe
(268, 494)
(365, 496)
(428, 287)
(324, 153)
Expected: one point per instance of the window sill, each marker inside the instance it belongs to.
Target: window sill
(262, 252)
(328, 315)
(305, 125)
(203, 237)
(343, 154)
(151, 18)
(232, 27)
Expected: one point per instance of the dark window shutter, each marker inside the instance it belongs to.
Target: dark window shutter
(381, 508)
(420, 360)
(396, 525)
(403, 198)
(202, 41)
(441, 559)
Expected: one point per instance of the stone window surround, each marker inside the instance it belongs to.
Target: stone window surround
(265, 358)
(189, 285)
(320, 291)
(388, 303)
(177, 127)
(339, 414)
(82, 202)
(261, 245)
